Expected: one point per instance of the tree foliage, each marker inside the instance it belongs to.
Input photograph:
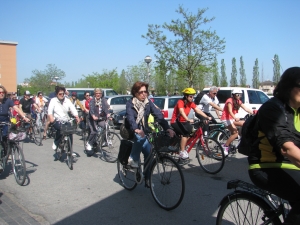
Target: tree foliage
(276, 69)
(255, 80)
(215, 73)
(223, 81)
(243, 78)
(189, 48)
(233, 80)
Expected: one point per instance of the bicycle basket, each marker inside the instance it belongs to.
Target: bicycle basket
(18, 134)
(67, 128)
(163, 141)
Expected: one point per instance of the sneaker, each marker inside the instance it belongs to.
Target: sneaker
(225, 148)
(54, 146)
(74, 154)
(183, 154)
(132, 163)
(104, 144)
(88, 147)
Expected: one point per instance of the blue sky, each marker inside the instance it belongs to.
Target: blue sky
(82, 37)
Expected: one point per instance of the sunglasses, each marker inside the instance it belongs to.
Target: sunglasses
(141, 92)
(214, 93)
(237, 94)
(2, 92)
(87, 95)
(98, 93)
(191, 96)
(60, 94)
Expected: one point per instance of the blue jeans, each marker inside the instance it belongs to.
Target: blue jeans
(141, 145)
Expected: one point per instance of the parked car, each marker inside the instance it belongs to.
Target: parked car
(252, 98)
(117, 102)
(118, 118)
(80, 92)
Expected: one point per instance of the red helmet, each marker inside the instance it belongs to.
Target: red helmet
(74, 93)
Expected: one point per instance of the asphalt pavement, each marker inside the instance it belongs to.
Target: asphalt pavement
(91, 192)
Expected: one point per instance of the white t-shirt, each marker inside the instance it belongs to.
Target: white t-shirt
(204, 103)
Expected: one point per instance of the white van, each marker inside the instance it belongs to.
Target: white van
(80, 92)
(252, 98)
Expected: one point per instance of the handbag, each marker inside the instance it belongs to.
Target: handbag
(125, 132)
(124, 151)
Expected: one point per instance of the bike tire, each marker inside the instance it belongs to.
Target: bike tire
(126, 176)
(18, 163)
(37, 134)
(211, 157)
(69, 152)
(167, 183)
(244, 208)
(110, 145)
(219, 135)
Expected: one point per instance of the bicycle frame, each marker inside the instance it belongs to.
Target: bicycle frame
(198, 135)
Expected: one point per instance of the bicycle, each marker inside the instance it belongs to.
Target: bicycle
(107, 143)
(209, 152)
(166, 181)
(66, 130)
(14, 150)
(33, 131)
(248, 204)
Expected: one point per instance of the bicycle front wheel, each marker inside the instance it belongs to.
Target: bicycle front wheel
(18, 163)
(110, 145)
(69, 151)
(211, 156)
(37, 134)
(246, 209)
(127, 176)
(219, 135)
(167, 182)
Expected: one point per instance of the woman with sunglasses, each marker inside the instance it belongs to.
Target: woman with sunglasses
(229, 117)
(180, 114)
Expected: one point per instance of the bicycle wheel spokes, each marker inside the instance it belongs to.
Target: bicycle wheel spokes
(219, 135)
(127, 176)
(242, 209)
(110, 145)
(167, 183)
(210, 157)
(69, 153)
(37, 134)
(18, 163)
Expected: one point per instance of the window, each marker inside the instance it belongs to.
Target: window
(118, 101)
(173, 102)
(262, 96)
(160, 102)
(253, 98)
(110, 92)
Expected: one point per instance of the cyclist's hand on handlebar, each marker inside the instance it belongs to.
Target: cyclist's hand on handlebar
(77, 119)
(171, 132)
(26, 119)
(190, 120)
(95, 117)
(140, 132)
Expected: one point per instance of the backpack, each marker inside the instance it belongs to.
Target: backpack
(249, 135)
(199, 97)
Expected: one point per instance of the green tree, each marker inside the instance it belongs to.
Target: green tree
(123, 86)
(255, 80)
(276, 69)
(189, 47)
(223, 81)
(233, 80)
(243, 79)
(215, 72)
(45, 80)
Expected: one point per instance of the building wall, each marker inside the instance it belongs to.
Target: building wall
(8, 65)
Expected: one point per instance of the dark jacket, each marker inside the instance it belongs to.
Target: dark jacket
(131, 114)
(276, 123)
(94, 110)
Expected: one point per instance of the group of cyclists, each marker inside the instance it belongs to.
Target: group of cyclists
(273, 164)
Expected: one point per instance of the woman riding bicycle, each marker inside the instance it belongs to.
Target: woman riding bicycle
(138, 110)
(181, 112)
(229, 117)
(5, 105)
(274, 163)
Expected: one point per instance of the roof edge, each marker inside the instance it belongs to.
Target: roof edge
(9, 42)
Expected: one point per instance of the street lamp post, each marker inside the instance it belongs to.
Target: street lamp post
(88, 84)
(56, 78)
(148, 61)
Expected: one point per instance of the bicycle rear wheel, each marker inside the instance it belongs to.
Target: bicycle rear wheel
(246, 209)
(127, 176)
(69, 152)
(37, 134)
(18, 163)
(110, 145)
(211, 156)
(167, 182)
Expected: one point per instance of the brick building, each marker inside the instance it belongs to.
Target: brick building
(8, 65)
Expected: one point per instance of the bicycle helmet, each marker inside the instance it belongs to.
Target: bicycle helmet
(236, 91)
(189, 91)
(74, 93)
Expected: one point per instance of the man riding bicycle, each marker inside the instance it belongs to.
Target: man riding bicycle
(58, 113)
(98, 113)
(207, 102)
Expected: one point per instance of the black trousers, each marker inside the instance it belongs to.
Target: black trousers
(284, 183)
